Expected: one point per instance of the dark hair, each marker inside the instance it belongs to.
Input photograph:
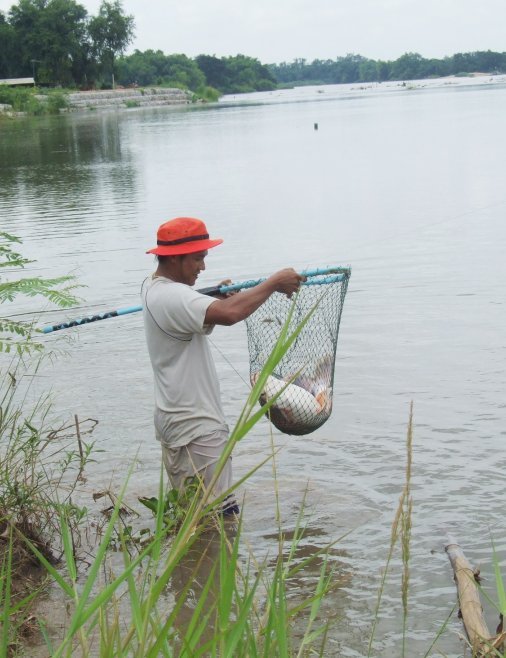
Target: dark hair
(163, 259)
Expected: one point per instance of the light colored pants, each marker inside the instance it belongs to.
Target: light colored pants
(199, 457)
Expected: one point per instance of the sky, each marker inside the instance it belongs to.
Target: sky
(276, 31)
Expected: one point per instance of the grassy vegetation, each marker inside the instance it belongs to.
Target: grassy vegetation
(33, 101)
(39, 102)
(208, 94)
(40, 467)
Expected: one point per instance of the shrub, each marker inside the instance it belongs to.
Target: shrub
(56, 101)
(209, 94)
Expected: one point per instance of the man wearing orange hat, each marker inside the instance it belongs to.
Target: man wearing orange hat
(189, 420)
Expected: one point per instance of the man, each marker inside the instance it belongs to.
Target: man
(189, 420)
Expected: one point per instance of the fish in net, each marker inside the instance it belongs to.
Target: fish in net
(304, 378)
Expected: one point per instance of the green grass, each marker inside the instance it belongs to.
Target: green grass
(40, 467)
(208, 94)
(241, 609)
(33, 101)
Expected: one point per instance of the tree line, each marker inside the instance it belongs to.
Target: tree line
(243, 74)
(228, 75)
(60, 44)
(410, 66)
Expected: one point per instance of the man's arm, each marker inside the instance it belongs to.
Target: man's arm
(239, 307)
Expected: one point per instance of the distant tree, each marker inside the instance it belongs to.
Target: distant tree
(215, 70)
(368, 70)
(383, 69)
(9, 53)
(111, 32)
(487, 61)
(58, 42)
(142, 68)
(354, 68)
(183, 72)
(236, 74)
(438, 68)
(299, 68)
(50, 35)
(300, 71)
(153, 67)
(281, 72)
(248, 74)
(349, 68)
(459, 63)
(25, 21)
(407, 67)
(321, 70)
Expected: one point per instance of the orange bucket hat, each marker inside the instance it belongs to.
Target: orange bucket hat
(182, 235)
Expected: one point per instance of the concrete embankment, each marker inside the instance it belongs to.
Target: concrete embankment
(94, 100)
(149, 96)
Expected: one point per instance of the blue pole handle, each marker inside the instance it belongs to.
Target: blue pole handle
(340, 271)
(333, 274)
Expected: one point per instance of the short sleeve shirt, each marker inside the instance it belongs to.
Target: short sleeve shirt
(187, 392)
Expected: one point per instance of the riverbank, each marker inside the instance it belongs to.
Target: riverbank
(139, 97)
(15, 102)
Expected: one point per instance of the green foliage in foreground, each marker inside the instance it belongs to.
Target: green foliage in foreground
(40, 467)
(240, 607)
(35, 459)
(18, 334)
(174, 504)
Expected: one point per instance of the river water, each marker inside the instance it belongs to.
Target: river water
(405, 183)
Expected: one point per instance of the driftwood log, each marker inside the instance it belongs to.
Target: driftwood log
(482, 642)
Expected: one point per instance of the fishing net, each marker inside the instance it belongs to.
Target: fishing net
(305, 375)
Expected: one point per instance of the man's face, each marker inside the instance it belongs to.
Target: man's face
(191, 266)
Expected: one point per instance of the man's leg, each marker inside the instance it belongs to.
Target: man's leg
(200, 457)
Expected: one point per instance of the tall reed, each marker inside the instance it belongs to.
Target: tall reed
(39, 471)
(401, 527)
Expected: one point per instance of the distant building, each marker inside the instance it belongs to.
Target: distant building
(16, 82)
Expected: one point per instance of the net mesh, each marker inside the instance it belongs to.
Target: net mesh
(306, 372)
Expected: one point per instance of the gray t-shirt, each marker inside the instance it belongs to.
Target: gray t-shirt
(187, 391)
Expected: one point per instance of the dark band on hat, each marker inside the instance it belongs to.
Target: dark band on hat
(192, 238)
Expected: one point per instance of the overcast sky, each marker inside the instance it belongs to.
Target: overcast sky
(282, 30)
